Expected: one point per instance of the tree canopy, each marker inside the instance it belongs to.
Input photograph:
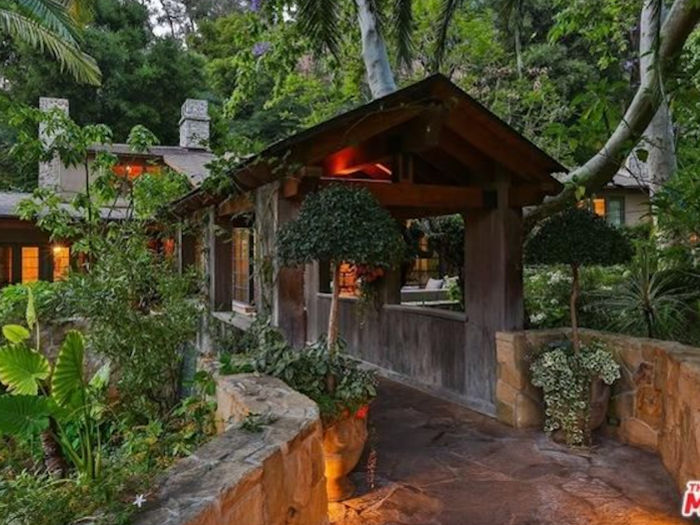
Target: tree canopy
(577, 237)
(357, 231)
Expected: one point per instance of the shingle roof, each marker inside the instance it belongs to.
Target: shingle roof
(9, 201)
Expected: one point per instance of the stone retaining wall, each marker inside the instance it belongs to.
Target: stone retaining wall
(655, 405)
(271, 477)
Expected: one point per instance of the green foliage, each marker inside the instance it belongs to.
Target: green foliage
(653, 300)
(577, 237)
(13, 301)
(22, 370)
(24, 415)
(341, 224)
(50, 26)
(138, 305)
(565, 378)
(145, 78)
(548, 289)
(306, 370)
(71, 402)
(134, 455)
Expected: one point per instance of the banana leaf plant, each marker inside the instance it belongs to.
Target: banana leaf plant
(58, 403)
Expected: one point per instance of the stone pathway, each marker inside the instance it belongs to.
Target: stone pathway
(441, 464)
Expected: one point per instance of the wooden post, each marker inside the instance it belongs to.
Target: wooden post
(223, 267)
(493, 291)
(289, 310)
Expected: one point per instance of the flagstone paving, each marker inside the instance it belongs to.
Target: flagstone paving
(441, 464)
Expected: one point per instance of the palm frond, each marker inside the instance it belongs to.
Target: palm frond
(318, 20)
(82, 66)
(403, 24)
(447, 13)
(53, 15)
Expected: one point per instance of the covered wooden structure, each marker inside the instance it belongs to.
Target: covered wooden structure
(426, 150)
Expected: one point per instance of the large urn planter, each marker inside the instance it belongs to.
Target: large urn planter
(343, 443)
(599, 401)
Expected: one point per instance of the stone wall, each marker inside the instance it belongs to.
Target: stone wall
(271, 477)
(655, 405)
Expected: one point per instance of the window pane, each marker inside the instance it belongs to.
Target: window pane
(61, 262)
(5, 265)
(616, 211)
(241, 240)
(30, 264)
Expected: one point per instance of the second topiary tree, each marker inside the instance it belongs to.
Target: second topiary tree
(341, 224)
(577, 237)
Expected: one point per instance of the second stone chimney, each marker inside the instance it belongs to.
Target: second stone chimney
(194, 124)
(50, 172)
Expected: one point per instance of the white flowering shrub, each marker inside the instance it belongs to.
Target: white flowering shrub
(548, 291)
(565, 378)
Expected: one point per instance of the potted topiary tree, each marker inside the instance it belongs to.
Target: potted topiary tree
(341, 224)
(576, 378)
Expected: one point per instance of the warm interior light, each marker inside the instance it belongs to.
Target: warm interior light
(599, 207)
(61, 262)
(30, 264)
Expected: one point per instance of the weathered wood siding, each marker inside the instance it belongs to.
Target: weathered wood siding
(423, 344)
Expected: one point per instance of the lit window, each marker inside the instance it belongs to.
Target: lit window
(61, 262)
(30, 264)
(242, 274)
(599, 207)
(5, 265)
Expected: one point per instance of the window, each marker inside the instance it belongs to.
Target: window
(30, 264)
(242, 267)
(5, 265)
(612, 208)
(599, 207)
(61, 262)
(616, 211)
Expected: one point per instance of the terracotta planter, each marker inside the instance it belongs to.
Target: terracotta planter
(343, 443)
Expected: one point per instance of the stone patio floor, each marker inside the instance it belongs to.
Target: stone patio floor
(441, 464)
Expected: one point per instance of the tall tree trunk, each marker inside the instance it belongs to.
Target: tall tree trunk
(333, 315)
(573, 307)
(599, 170)
(658, 137)
(374, 54)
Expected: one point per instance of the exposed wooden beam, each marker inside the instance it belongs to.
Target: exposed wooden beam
(423, 196)
(236, 205)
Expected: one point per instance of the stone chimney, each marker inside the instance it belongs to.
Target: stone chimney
(194, 124)
(50, 172)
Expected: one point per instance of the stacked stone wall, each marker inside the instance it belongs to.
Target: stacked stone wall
(655, 405)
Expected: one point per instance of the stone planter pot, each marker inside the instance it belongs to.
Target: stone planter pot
(343, 443)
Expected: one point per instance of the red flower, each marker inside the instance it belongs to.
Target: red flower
(362, 412)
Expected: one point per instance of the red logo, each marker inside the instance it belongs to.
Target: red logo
(691, 500)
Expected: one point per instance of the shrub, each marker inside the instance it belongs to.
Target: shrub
(306, 370)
